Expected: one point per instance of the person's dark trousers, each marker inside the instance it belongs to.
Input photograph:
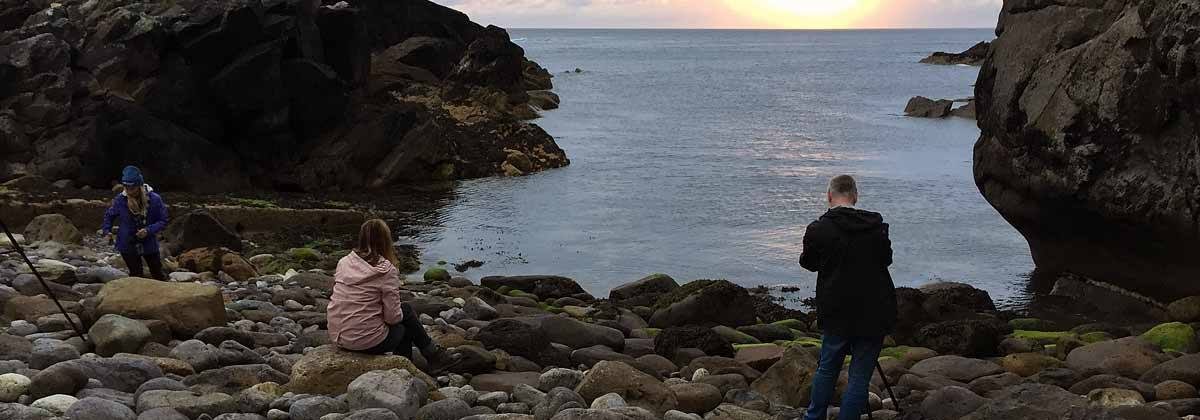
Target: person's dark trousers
(403, 336)
(153, 262)
(864, 353)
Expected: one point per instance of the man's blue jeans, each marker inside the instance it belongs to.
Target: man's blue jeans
(864, 352)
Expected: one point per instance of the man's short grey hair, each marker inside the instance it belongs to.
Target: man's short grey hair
(844, 186)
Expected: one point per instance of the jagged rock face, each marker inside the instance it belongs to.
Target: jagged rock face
(286, 94)
(1089, 113)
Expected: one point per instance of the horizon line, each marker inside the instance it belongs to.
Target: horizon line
(620, 28)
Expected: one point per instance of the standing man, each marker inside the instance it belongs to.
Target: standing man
(856, 301)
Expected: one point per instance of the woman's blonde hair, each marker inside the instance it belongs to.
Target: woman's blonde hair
(375, 242)
(141, 203)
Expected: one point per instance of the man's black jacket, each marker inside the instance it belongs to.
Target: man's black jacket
(850, 251)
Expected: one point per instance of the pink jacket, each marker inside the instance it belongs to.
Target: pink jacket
(365, 301)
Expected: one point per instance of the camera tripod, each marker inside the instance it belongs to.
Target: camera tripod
(17, 249)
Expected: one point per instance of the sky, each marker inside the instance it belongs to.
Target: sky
(757, 14)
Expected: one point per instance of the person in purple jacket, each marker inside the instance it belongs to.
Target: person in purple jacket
(139, 214)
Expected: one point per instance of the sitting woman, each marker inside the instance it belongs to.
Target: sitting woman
(365, 311)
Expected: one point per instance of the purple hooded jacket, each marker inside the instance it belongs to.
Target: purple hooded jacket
(118, 214)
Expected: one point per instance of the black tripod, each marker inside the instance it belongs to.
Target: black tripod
(16, 248)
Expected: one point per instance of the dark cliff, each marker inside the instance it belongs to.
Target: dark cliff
(280, 94)
(1089, 147)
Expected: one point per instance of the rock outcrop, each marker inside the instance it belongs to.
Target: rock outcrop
(973, 56)
(1088, 113)
(282, 94)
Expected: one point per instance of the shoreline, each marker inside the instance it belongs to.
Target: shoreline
(253, 344)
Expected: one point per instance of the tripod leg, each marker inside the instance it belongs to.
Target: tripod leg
(888, 385)
(21, 251)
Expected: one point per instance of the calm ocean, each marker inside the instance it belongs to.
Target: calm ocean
(703, 154)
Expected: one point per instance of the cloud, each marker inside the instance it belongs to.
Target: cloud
(711, 13)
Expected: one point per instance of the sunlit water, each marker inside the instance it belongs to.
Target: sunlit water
(703, 154)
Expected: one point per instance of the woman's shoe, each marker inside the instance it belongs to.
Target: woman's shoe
(440, 360)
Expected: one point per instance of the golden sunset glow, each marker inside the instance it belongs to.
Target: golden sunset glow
(804, 14)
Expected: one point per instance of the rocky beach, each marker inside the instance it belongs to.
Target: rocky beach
(235, 336)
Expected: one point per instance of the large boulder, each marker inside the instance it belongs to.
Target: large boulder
(53, 227)
(704, 303)
(637, 388)
(577, 334)
(1030, 401)
(1086, 133)
(328, 370)
(956, 368)
(789, 381)
(199, 229)
(643, 292)
(187, 308)
(1184, 368)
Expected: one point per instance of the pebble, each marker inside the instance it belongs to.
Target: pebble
(22, 328)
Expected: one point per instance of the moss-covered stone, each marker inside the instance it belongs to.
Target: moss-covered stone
(437, 274)
(1028, 364)
(650, 332)
(1095, 337)
(305, 254)
(682, 292)
(520, 293)
(805, 342)
(504, 290)
(1174, 336)
(1032, 324)
(1042, 337)
(739, 347)
(897, 352)
(734, 336)
(793, 323)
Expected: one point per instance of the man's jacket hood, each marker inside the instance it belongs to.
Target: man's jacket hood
(854, 220)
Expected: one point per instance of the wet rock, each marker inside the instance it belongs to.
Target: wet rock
(187, 307)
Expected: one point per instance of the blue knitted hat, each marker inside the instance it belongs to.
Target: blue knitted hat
(132, 176)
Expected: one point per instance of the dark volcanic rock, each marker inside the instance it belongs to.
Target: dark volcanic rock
(922, 107)
(220, 95)
(643, 292)
(967, 337)
(667, 342)
(706, 303)
(545, 287)
(1088, 142)
(973, 56)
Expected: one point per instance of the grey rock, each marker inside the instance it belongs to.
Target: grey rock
(559, 377)
(114, 334)
(313, 408)
(92, 408)
(372, 414)
(47, 352)
(950, 403)
(447, 409)
(396, 390)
